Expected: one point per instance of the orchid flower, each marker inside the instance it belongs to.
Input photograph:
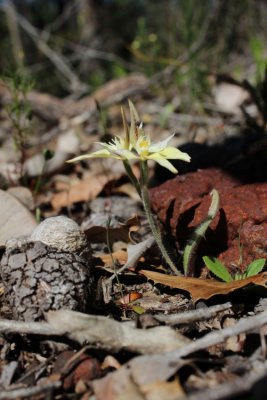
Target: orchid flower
(136, 145)
(160, 152)
(116, 148)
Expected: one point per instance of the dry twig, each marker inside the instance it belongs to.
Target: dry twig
(188, 317)
(236, 387)
(47, 388)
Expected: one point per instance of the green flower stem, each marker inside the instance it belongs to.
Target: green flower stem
(132, 177)
(152, 223)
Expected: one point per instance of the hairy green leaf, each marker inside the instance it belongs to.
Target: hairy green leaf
(255, 267)
(192, 246)
(217, 268)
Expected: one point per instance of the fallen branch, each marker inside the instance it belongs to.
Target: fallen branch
(112, 335)
(59, 61)
(147, 370)
(53, 109)
(28, 328)
(100, 332)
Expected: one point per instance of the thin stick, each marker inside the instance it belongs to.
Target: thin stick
(236, 387)
(140, 250)
(59, 61)
(173, 358)
(200, 314)
(30, 391)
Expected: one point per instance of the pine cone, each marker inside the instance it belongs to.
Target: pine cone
(39, 277)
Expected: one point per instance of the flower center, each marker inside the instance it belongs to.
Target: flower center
(142, 146)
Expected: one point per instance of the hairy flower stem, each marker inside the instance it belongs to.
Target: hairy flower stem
(152, 223)
(132, 177)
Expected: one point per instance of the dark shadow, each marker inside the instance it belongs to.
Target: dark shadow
(169, 215)
(183, 232)
(215, 241)
(244, 157)
(168, 239)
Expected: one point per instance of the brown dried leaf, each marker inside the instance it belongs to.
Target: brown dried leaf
(85, 190)
(204, 288)
(159, 390)
(143, 380)
(129, 190)
(120, 255)
(118, 385)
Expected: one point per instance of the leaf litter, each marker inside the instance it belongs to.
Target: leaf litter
(178, 348)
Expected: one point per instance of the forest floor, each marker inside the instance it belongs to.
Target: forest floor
(89, 307)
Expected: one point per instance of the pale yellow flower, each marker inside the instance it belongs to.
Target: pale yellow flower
(137, 146)
(116, 148)
(159, 152)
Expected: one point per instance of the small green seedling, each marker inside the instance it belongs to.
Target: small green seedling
(219, 269)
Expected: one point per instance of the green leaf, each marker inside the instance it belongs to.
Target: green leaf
(255, 267)
(217, 268)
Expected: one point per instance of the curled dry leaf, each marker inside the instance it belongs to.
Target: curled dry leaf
(204, 288)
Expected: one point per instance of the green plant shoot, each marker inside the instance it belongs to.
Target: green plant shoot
(220, 270)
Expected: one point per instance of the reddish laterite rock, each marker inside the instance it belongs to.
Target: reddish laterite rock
(238, 234)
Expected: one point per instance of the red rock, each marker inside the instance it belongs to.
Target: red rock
(239, 229)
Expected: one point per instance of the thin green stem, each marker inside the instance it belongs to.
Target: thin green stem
(132, 177)
(112, 258)
(152, 223)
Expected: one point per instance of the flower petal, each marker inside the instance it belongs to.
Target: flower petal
(174, 154)
(163, 162)
(124, 154)
(100, 153)
(156, 147)
(135, 120)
